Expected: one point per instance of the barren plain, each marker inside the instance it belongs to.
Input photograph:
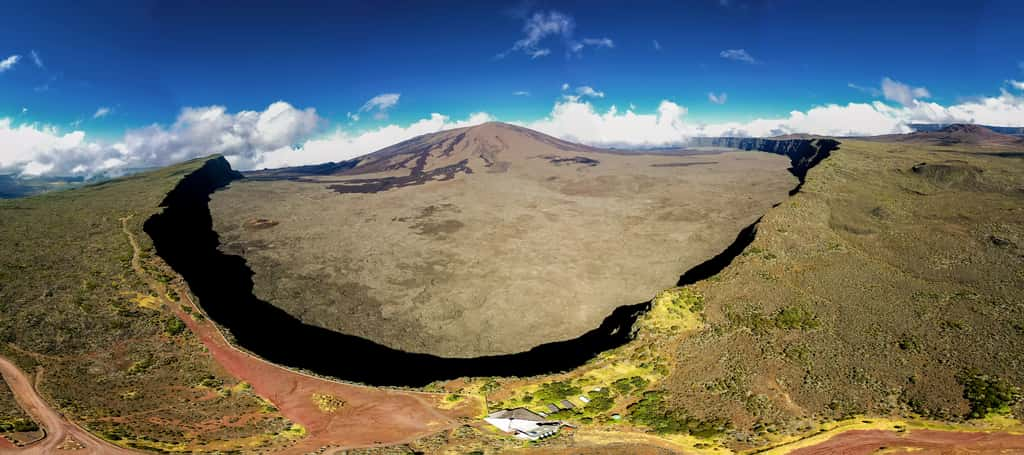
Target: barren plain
(491, 239)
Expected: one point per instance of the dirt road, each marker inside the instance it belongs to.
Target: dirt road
(366, 417)
(58, 429)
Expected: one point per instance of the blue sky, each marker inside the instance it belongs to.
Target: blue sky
(144, 61)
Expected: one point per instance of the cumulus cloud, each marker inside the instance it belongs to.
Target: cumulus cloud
(574, 118)
(541, 27)
(565, 86)
(343, 145)
(9, 62)
(902, 93)
(588, 91)
(103, 111)
(739, 55)
(379, 105)
(521, 93)
(719, 98)
(243, 137)
(282, 135)
(1016, 84)
(36, 59)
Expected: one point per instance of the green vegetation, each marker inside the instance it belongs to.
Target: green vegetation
(552, 392)
(652, 411)
(794, 317)
(173, 326)
(600, 401)
(17, 425)
(988, 395)
(625, 386)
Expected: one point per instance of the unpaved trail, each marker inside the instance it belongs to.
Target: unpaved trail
(368, 417)
(58, 429)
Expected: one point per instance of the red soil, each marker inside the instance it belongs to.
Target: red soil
(369, 417)
(859, 442)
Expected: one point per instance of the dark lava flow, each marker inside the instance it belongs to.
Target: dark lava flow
(184, 237)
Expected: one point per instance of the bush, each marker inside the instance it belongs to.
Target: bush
(600, 401)
(795, 318)
(652, 412)
(988, 395)
(551, 392)
(174, 327)
(631, 384)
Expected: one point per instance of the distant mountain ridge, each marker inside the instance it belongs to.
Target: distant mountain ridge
(930, 127)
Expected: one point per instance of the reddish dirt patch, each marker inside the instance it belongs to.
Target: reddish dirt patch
(369, 417)
(859, 442)
(5, 444)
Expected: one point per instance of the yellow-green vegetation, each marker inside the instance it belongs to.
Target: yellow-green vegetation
(617, 380)
(327, 403)
(71, 304)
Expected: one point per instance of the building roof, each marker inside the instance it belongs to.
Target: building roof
(517, 414)
(567, 404)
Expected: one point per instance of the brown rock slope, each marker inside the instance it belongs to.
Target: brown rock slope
(487, 240)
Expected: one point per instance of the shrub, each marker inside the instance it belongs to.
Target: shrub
(554, 391)
(651, 411)
(627, 385)
(174, 327)
(795, 318)
(988, 395)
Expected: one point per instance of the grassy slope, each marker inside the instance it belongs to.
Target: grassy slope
(71, 306)
(891, 285)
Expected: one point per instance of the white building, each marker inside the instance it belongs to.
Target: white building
(523, 423)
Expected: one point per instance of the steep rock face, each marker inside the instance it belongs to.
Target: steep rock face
(802, 153)
(215, 173)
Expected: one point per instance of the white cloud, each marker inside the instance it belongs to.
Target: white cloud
(381, 104)
(576, 119)
(875, 92)
(902, 93)
(739, 55)
(35, 58)
(521, 93)
(1016, 84)
(540, 26)
(282, 135)
(103, 111)
(656, 44)
(719, 98)
(589, 91)
(343, 145)
(599, 42)
(565, 86)
(9, 62)
(244, 137)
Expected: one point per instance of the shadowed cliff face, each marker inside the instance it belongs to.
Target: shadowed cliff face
(184, 237)
(802, 153)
